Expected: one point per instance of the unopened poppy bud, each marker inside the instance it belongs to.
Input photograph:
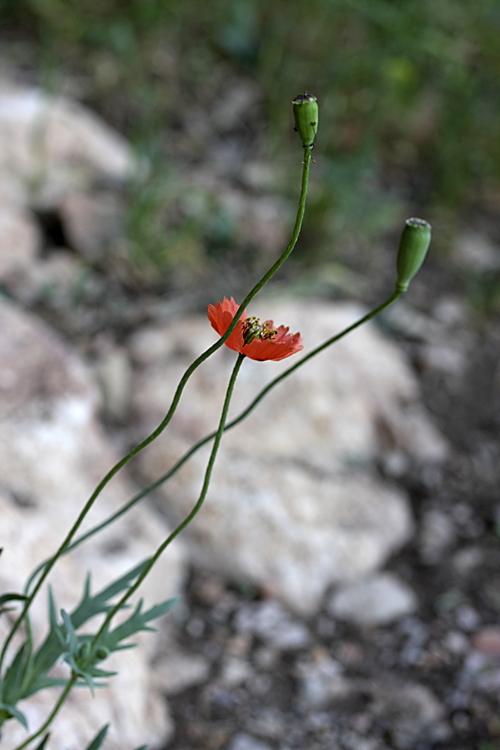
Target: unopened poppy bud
(413, 246)
(305, 112)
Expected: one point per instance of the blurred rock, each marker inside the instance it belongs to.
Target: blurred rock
(475, 252)
(265, 657)
(490, 592)
(376, 600)
(294, 505)
(448, 357)
(52, 455)
(395, 463)
(417, 634)
(352, 741)
(177, 671)
(437, 535)
(64, 162)
(54, 145)
(235, 671)
(451, 311)
(467, 618)
(321, 680)
(91, 222)
(271, 622)
(243, 741)
(256, 218)
(230, 110)
(259, 175)
(480, 671)
(487, 641)
(20, 241)
(467, 560)
(263, 222)
(409, 711)
(114, 374)
(269, 723)
(55, 279)
(407, 320)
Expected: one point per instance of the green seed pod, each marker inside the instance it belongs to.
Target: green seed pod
(305, 112)
(413, 246)
(102, 652)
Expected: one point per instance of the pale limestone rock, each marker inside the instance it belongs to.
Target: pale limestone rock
(51, 144)
(52, 454)
(114, 373)
(293, 504)
(375, 600)
(321, 679)
(475, 252)
(91, 221)
(19, 241)
(58, 156)
(271, 622)
(55, 278)
(177, 671)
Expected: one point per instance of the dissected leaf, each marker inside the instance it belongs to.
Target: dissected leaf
(136, 622)
(54, 645)
(41, 683)
(64, 641)
(15, 714)
(95, 605)
(42, 744)
(71, 638)
(14, 676)
(98, 740)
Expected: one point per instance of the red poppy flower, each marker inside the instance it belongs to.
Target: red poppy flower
(252, 338)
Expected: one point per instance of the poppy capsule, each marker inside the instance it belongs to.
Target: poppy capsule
(305, 112)
(413, 246)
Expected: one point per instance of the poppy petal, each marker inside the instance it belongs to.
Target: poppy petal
(283, 344)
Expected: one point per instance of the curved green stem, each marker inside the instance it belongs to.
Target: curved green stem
(194, 448)
(52, 714)
(191, 515)
(175, 401)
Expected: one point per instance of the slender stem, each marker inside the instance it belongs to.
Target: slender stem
(313, 353)
(175, 468)
(175, 401)
(52, 714)
(194, 511)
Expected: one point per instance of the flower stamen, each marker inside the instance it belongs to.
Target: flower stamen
(256, 340)
(254, 329)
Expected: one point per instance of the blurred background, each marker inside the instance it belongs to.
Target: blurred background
(170, 179)
(409, 123)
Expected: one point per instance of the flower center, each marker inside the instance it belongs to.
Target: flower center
(254, 329)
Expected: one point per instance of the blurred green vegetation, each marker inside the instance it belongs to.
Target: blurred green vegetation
(408, 93)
